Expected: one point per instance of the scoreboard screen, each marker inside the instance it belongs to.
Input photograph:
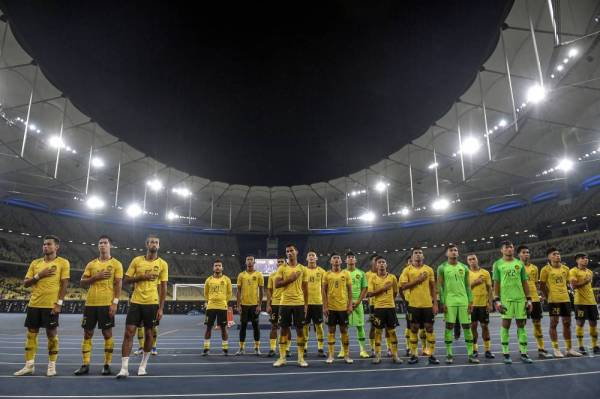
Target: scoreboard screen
(265, 266)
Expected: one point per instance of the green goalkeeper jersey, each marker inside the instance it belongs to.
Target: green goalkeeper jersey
(453, 282)
(510, 275)
(359, 282)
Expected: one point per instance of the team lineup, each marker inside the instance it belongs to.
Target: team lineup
(301, 296)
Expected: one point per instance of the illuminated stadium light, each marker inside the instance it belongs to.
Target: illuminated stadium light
(172, 215)
(470, 145)
(97, 162)
(573, 52)
(381, 186)
(405, 211)
(565, 165)
(155, 185)
(566, 60)
(535, 94)
(182, 192)
(33, 127)
(559, 68)
(502, 123)
(552, 76)
(433, 165)
(56, 142)
(133, 210)
(367, 216)
(94, 202)
(441, 204)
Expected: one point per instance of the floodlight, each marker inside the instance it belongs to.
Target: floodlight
(565, 165)
(56, 142)
(155, 185)
(470, 145)
(405, 211)
(97, 162)
(535, 94)
(133, 210)
(367, 216)
(380, 186)
(94, 202)
(440, 204)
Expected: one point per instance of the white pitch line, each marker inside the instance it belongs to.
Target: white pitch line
(374, 369)
(167, 333)
(309, 391)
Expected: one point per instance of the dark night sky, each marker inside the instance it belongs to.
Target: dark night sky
(267, 93)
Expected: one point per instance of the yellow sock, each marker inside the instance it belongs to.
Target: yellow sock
(430, 343)
(539, 336)
(554, 344)
(109, 344)
(475, 347)
(579, 334)
(256, 344)
(154, 336)
(423, 338)
(372, 343)
(393, 338)
(300, 342)
(53, 349)
(140, 337)
(594, 336)
(273, 344)
(225, 345)
(346, 343)
(289, 345)
(378, 341)
(207, 343)
(388, 342)
(407, 338)
(283, 347)
(413, 343)
(568, 344)
(31, 345)
(242, 345)
(86, 350)
(487, 345)
(331, 344)
(320, 335)
(306, 335)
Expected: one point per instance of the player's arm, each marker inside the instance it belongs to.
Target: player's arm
(363, 291)
(490, 291)
(349, 288)
(260, 297)
(238, 294)
(31, 279)
(543, 285)
(269, 294)
(440, 285)
(206, 290)
(433, 293)
(468, 289)
(381, 290)
(405, 284)
(325, 298)
(281, 282)
(131, 278)
(162, 295)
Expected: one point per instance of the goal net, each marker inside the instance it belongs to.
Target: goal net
(194, 292)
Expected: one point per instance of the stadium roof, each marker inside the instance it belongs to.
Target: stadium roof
(554, 119)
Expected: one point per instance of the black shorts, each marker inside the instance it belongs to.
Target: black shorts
(562, 309)
(337, 317)
(420, 316)
(314, 314)
(41, 318)
(291, 315)
(220, 315)
(480, 314)
(385, 318)
(142, 315)
(274, 316)
(586, 312)
(248, 314)
(371, 313)
(536, 311)
(93, 315)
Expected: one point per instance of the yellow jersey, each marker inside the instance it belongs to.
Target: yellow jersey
(315, 285)
(276, 292)
(247, 285)
(217, 292)
(480, 291)
(337, 289)
(419, 296)
(584, 295)
(387, 298)
(102, 292)
(145, 292)
(44, 293)
(532, 279)
(292, 294)
(556, 279)
(370, 274)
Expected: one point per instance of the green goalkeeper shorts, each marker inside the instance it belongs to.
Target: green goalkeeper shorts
(515, 310)
(457, 314)
(357, 317)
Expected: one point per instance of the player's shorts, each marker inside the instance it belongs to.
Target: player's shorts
(385, 318)
(41, 318)
(337, 318)
(248, 314)
(480, 314)
(314, 314)
(97, 315)
(515, 310)
(142, 315)
(371, 313)
(220, 315)
(291, 315)
(536, 311)
(274, 316)
(457, 314)
(562, 309)
(419, 316)
(357, 317)
(586, 312)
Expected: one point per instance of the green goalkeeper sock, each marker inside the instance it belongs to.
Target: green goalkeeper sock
(469, 340)
(522, 334)
(504, 339)
(448, 338)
